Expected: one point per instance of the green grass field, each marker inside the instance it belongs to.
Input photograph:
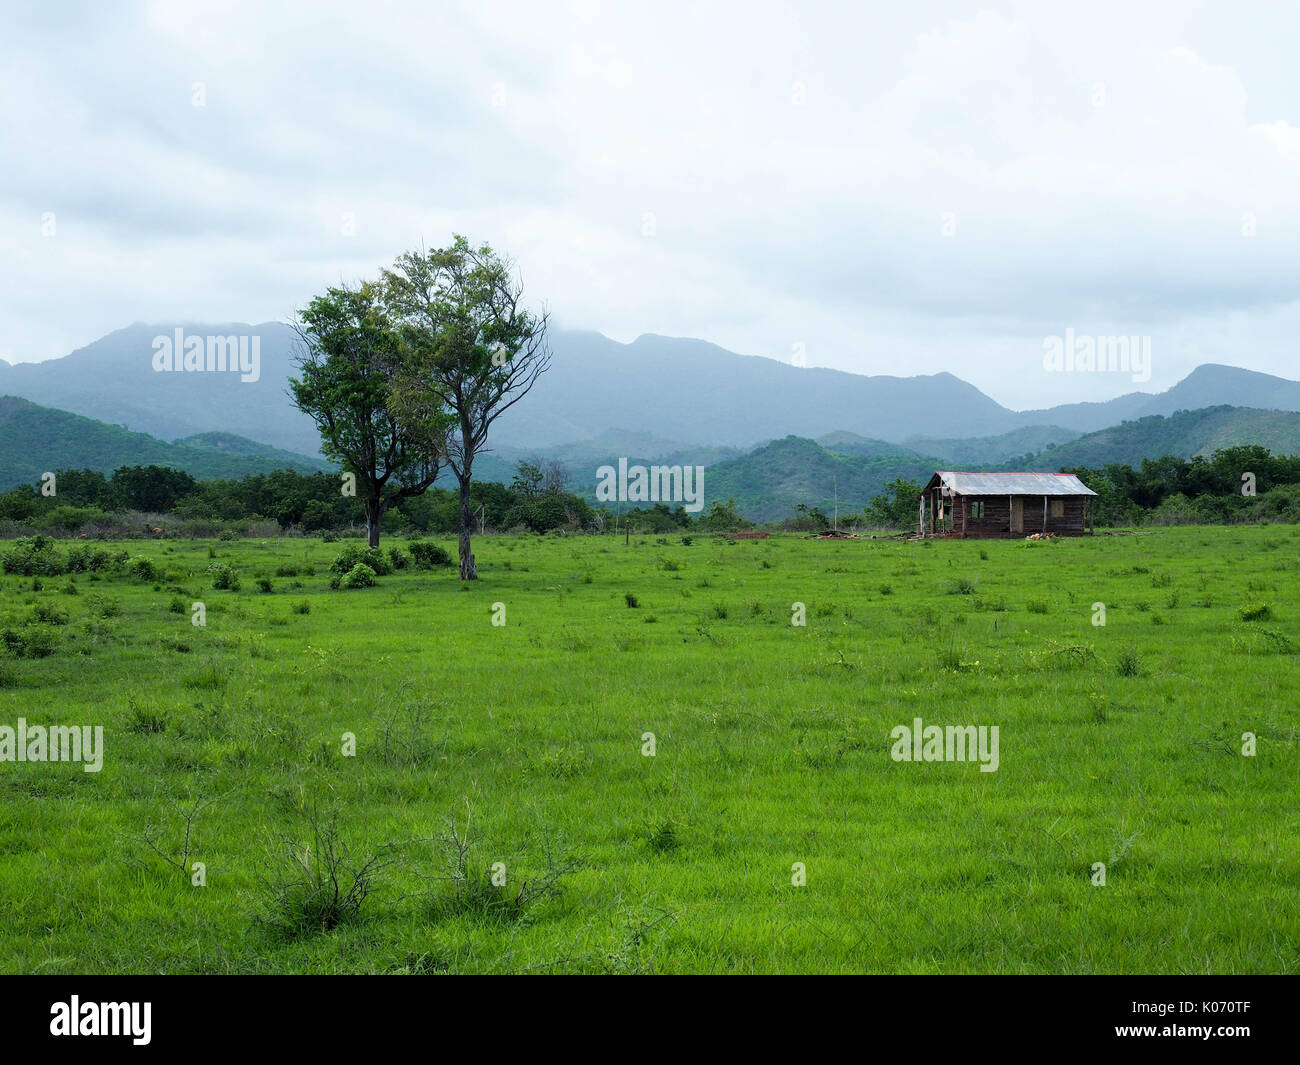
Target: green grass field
(1119, 744)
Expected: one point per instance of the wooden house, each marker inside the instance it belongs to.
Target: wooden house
(1005, 504)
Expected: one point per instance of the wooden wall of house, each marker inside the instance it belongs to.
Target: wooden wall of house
(997, 516)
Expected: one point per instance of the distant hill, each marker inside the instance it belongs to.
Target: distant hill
(581, 460)
(113, 380)
(665, 394)
(847, 443)
(1185, 433)
(992, 450)
(35, 439)
(769, 482)
(1206, 386)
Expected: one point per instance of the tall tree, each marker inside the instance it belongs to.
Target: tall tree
(475, 350)
(349, 357)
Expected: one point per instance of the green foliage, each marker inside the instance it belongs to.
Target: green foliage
(316, 885)
(82, 451)
(143, 569)
(32, 640)
(224, 576)
(35, 556)
(898, 509)
(354, 555)
(427, 555)
(359, 576)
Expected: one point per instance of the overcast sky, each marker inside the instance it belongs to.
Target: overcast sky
(896, 188)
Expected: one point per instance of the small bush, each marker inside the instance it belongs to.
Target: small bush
(1255, 612)
(82, 558)
(30, 641)
(465, 885)
(1128, 665)
(101, 606)
(632, 601)
(427, 555)
(355, 555)
(48, 614)
(34, 556)
(224, 577)
(302, 607)
(318, 885)
(399, 558)
(1036, 606)
(142, 569)
(265, 586)
(359, 576)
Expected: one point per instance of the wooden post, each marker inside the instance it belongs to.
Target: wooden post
(1044, 515)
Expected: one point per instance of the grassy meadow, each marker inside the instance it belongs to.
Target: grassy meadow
(515, 751)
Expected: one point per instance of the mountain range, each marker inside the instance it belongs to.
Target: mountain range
(680, 390)
(35, 439)
(771, 435)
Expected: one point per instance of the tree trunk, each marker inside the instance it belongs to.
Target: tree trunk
(468, 569)
(374, 511)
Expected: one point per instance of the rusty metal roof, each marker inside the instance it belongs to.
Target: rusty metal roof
(1011, 484)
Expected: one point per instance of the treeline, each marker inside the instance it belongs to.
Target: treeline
(1238, 484)
(1235, 484)
(88, 500)
(130, 500)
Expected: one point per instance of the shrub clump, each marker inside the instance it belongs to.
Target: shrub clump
(319, 884)
(428, 556)
(1129, 665)
(142, 569)
(35, 556)
(355, 555)
(82, 558)
(30, 641)
(359, 576)
(224, 576)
